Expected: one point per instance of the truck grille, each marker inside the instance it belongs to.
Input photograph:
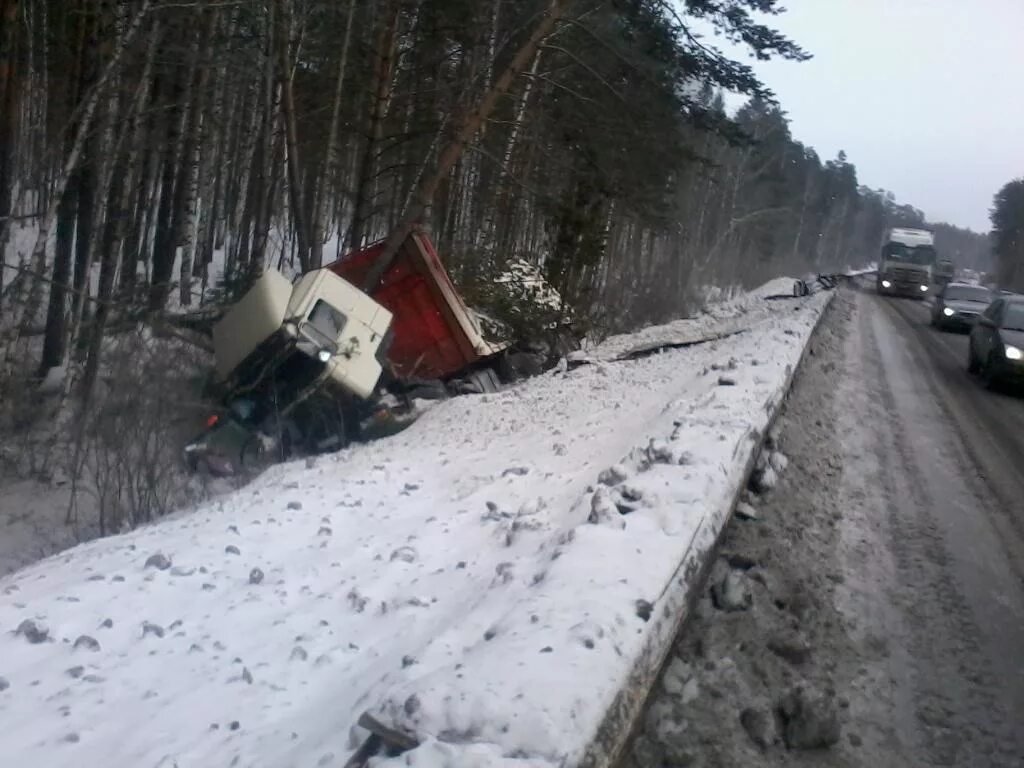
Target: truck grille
(907, 275)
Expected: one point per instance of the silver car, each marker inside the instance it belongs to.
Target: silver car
(958, 306)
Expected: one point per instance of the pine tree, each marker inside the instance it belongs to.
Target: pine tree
(1007, 216)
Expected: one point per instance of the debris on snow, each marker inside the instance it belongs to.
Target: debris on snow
(778, 461)
(811, 719)
(405, 554)
(731, 592)
(644, 610)
(603, 510)
(745, 511)
(676, 676)
(255, 576)
(34, 631)
(160, 561)
(759, 725)
(764, 479)
(613, 475)
(87, 643)
(792, 647)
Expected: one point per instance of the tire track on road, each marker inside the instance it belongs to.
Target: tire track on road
(953, 678)
(985, 443)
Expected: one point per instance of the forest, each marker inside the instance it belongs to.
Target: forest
(1007, 217)
(156, 155)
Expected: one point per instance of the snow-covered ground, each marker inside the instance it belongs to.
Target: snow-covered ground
(487, 580)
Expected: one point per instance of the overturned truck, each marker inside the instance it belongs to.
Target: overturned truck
(307, 367)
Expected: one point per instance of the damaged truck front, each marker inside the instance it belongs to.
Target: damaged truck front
(306, 368)
(296, 366)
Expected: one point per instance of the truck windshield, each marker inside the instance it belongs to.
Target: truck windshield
(967, 293)
(921, 254)
(327, 320)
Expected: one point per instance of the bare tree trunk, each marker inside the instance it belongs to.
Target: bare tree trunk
(188, 189)
(56, 313)
(9, 87)
(330, 171)
(146, 180)
(164, 240)
(295, 190)
(465, 128)
(263, 185)
(384, 63)
(500, 208)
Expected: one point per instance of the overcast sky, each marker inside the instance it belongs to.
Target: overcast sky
(925, 96)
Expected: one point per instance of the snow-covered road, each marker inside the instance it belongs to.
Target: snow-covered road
(885, 573)
(488, 581)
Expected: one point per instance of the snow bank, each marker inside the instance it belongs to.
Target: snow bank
(720, 319)
(490, 580)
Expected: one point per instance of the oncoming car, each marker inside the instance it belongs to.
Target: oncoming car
(996, 348)
(959, 305)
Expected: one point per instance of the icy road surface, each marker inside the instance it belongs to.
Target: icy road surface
(885, 572)
(485, 580)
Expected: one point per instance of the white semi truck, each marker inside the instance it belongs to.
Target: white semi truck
(909, 264)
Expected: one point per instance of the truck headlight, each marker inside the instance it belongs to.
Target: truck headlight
(324, 355)
(924, 288)
(948, 312)
(886, 284)
(1012, 353)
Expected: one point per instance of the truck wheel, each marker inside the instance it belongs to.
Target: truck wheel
(427, 390)
(484, 381)
(515, 366)
(324, 428)
(253, 455)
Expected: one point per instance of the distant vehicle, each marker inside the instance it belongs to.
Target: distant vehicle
(944, 272)
(909, 263)
(996, 348)
(959, 305)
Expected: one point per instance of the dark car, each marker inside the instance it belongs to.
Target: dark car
(958, 305)
(996, 348)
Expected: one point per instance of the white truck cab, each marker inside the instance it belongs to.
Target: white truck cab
(908, 263)
(321, 316)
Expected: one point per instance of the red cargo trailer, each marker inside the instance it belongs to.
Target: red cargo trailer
(436, 336)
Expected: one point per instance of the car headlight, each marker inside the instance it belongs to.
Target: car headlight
(924, 288)
(1012, 353)
(948, 312)
(886, 284)
(324, 355)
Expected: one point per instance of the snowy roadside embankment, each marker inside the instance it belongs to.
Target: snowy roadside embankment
(490, 581)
